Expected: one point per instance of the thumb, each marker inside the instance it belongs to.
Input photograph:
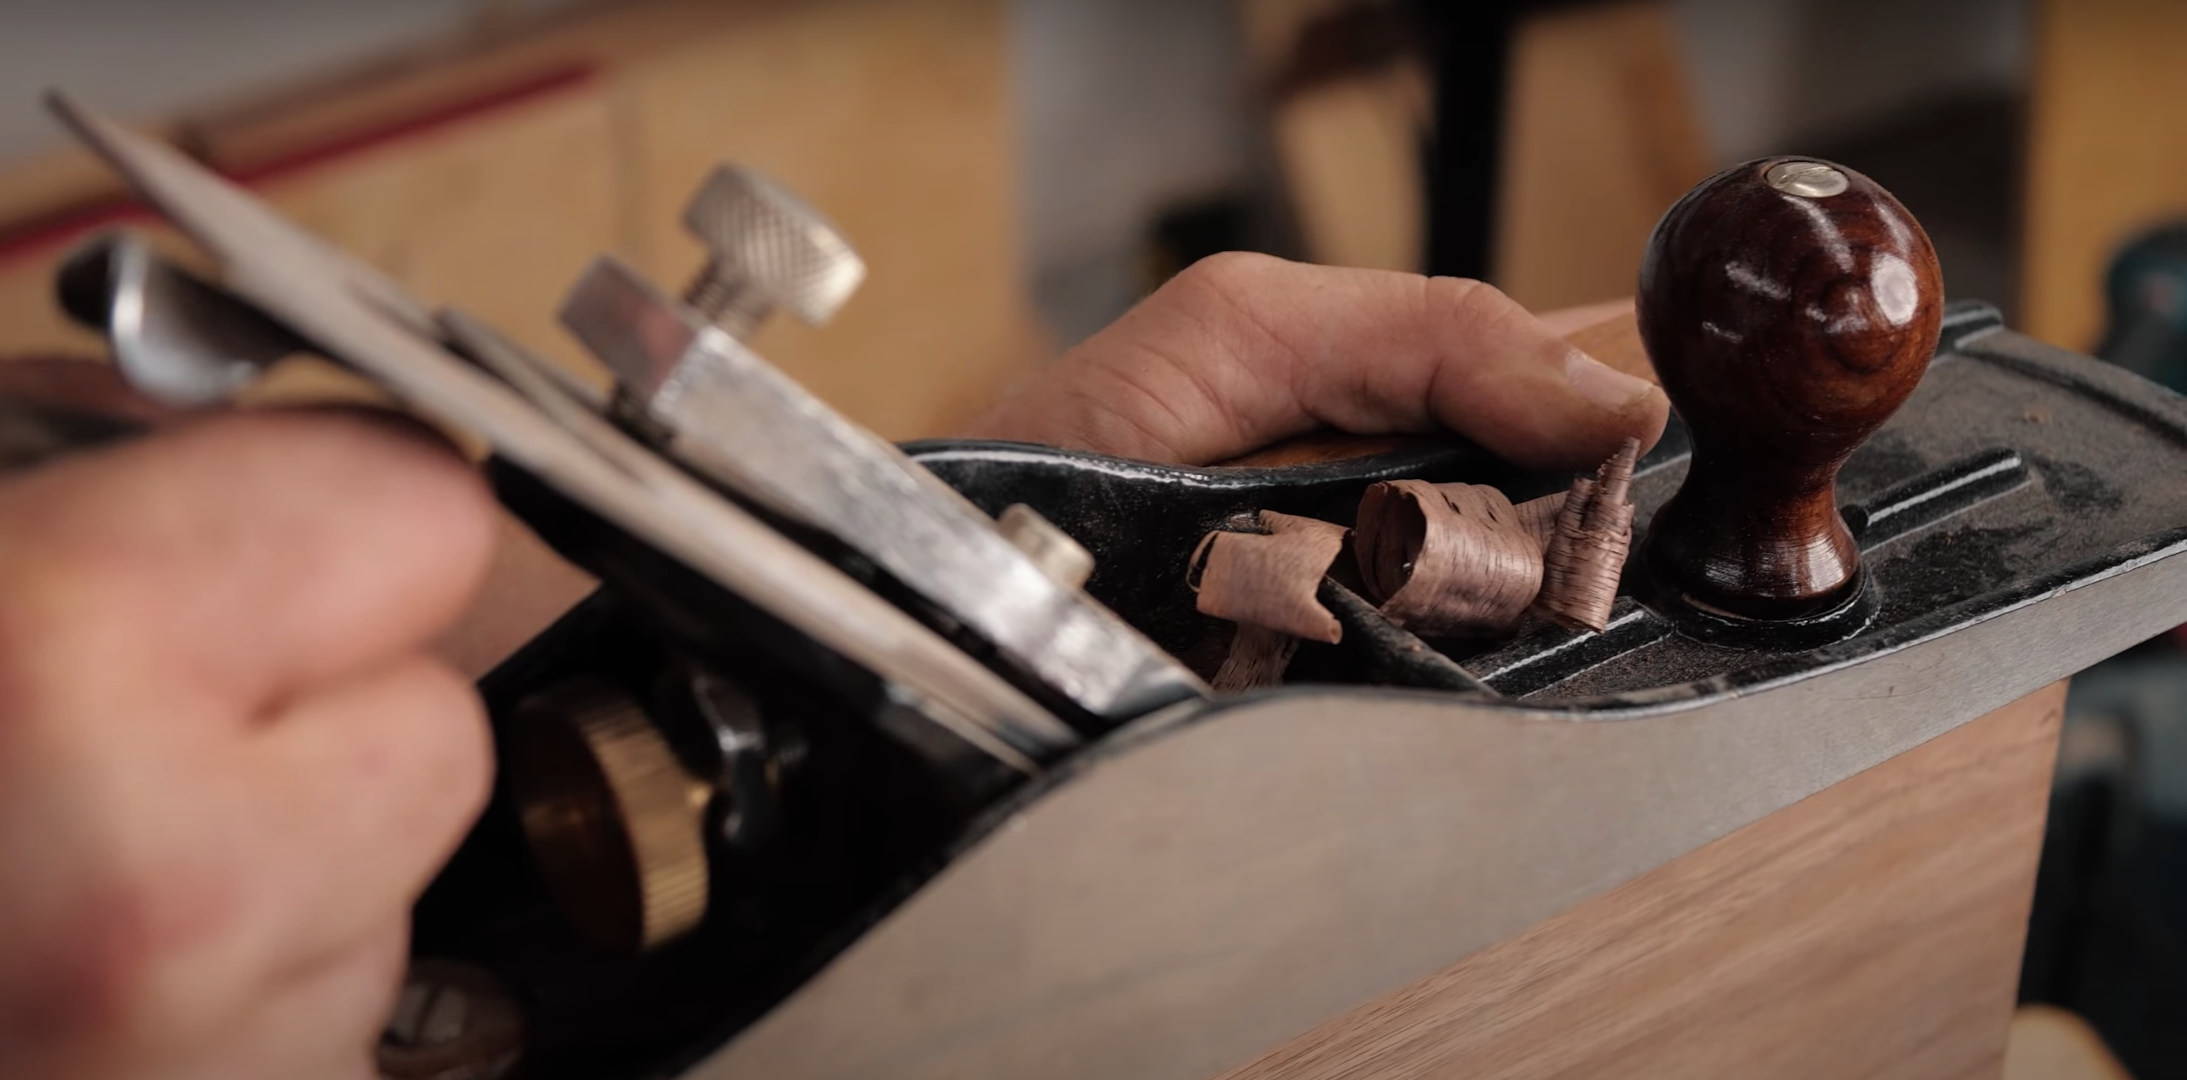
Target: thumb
(1241, 350)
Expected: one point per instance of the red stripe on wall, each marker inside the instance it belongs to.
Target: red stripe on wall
(64, 226)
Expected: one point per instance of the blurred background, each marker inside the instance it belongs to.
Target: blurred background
(1017, 172)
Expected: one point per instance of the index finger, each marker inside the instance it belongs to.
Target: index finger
(1242, 350)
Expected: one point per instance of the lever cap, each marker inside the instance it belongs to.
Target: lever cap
(1790, 306)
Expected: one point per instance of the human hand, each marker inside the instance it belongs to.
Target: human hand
(227, 767)
(1242, 350)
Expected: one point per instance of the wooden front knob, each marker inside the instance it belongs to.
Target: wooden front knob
(1789, 306)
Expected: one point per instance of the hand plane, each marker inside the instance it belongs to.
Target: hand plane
(879, 760)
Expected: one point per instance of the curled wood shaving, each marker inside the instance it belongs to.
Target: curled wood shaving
(1594, 530)
(1439, 558)
(1268, 579)
(1447, 558)
(1539, 517)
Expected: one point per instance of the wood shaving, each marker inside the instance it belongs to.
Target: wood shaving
(1586, 555)
(1269, 579)
(1447, 558)
(1539, 516)
(1440, 559)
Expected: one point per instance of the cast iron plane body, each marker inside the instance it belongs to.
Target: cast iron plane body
(2018, 472)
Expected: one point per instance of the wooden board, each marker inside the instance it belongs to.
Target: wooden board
(494, 216)
(1348, 147)
(2106, 152)
(1873, 929)
(893, 120)
(1600, 137)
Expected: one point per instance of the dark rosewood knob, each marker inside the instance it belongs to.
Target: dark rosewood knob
(1789, 305)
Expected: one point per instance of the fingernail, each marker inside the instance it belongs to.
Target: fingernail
(1602, 384)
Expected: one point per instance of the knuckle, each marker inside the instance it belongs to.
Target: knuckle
(1225, 271)
(1458, 294)
(1475, 306)
(449, 754)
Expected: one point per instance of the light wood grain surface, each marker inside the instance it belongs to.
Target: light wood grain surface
(1600, 138)
(1348, 147)
(2106, 152)
(1871, 930)
(1601, 135)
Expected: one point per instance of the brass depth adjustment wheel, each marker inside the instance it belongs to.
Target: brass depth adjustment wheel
(614, 820)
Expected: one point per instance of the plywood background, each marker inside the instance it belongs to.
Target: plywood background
(2106, 152)
(890, 117)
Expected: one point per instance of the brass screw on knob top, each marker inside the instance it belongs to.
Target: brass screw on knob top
(1813, 179)
(766, 249)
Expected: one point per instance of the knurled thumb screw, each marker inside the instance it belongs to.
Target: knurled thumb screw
(766, 248)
